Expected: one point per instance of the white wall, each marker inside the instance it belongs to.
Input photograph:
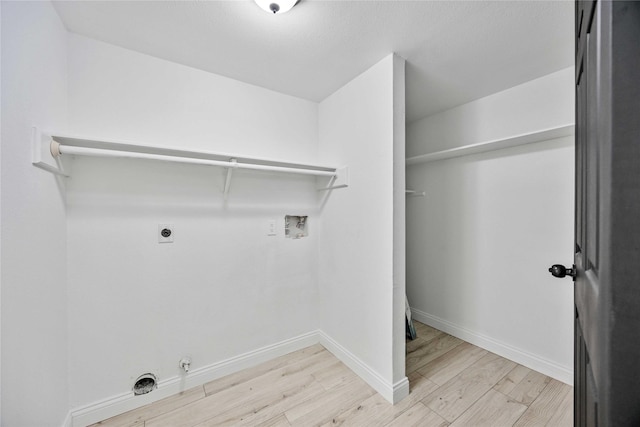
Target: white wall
(356, 254)
(481, 240)
(33, 279)
(107, 302)
(223, 288)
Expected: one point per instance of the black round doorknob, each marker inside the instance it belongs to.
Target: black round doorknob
(559, 270)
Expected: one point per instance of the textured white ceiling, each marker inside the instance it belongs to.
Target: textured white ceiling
(456, 51)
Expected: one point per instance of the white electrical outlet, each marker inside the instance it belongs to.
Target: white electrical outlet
(165, 233)
(271, 227)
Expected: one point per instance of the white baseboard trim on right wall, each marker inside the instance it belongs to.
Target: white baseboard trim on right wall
(532, 361)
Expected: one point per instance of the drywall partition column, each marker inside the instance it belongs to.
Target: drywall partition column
(399, 230)
(356, 255)
(224, 292)
(33, 279)
(491, 224)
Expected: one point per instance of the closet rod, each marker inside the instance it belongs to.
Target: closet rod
(58, 149)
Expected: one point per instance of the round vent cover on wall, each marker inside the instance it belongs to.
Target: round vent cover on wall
(144, 384)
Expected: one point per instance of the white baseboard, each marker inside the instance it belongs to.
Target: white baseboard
(124, 402)
(391, 392)
(530, 360)
(67, 421)
(115, 405)
(400, 390)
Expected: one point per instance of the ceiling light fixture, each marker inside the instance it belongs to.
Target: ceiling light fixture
(276, 6)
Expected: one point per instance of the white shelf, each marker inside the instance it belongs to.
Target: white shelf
(497, 144)
(49, 147)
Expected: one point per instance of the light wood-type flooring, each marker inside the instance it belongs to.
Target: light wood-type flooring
(452, 382)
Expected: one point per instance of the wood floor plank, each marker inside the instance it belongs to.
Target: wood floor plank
(333, 375)
(426, 332)
(462, 391)
(138, 416)
(529, 388)
(419, 386)
(280, 421)
(419, 342)
(423, 352)
(545, 406)
(563, 417)
(315, 352)
(119, 424)
(289, 401)
(443, 368)
(418, 416)
(227, 400)
(512, 379)
(492, 409)
(377, 411)
(267, 406)
(316, 412)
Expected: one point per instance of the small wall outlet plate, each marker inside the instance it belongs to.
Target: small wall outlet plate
(165, 233)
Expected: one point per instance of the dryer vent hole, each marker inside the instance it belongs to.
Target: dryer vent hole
(144, 384)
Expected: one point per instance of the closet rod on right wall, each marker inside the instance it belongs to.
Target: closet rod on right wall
(496, 144)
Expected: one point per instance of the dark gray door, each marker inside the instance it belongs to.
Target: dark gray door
(607, 210)
(588, 311)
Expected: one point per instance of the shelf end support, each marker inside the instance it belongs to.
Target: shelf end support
(42, 153)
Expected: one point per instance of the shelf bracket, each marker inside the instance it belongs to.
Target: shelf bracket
(41, 155)
(339, 180)
(227, 182)
(414, 193)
